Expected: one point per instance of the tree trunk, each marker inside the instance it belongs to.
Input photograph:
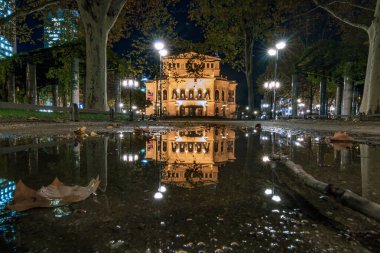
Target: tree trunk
(31, 82)
(75, 79)
(249, 71)
(96, 67)
(98, 17)
(371, 95)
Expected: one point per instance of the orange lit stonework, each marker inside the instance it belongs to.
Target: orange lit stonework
(192, 86)
(192, 156)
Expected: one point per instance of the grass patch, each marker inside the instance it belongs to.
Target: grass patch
(18, 114)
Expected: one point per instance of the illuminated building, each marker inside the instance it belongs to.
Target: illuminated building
(193, 156)
(60, 27)
(192, 85)
(6, 47)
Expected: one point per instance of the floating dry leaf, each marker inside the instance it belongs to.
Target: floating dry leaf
(92, 133)
(341, 136)
(53, 195)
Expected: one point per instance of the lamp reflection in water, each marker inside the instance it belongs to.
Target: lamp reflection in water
(268, 191)
(161, 188)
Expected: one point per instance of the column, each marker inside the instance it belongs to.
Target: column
(31, 82)
(323, 97)
(11, 88)
(294, 95)
(117, 93)
(55, 95)
(338, 100)
(347, 96)
(75, 79)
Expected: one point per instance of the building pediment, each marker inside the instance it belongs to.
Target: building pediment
(190, 55)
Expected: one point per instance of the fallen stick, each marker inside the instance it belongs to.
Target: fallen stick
(344, 196)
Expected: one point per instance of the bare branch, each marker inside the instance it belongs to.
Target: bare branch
(353, 5)
(360, 26)
(26, 11)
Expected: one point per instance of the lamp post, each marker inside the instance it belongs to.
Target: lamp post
(275, 52)
(272, 85)
(160, 47)
(130, 84)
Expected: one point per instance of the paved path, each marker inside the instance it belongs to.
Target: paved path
(362, 128)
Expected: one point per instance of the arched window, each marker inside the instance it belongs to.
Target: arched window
(199, 94)
(207, 95)
(191, 94)
(216, 95)
(182, 95)
(216, 111)
(216, 146)
(164, 146)
(175, 94)
(222, 95)
(165, 95)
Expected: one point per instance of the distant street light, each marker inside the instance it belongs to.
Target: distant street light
(130, 84)
(275, 52)
(160, 47)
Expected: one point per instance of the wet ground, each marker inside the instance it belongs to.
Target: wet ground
(196, 189)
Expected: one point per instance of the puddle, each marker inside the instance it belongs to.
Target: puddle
(197, 189)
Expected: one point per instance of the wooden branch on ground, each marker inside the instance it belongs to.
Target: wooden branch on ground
(344, 196)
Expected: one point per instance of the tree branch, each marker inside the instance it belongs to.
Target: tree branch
(114, 12)
(360, 26)
(353, 5)
(26, 11)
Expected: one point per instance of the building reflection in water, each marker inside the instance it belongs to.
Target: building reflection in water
(191, 157)
(7, 228)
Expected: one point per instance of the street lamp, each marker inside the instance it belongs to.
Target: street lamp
(275, 52)
(160, 47)
(130, 84)
(272, 85)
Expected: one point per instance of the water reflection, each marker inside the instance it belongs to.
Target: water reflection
(244, 209)
(192, 156)
(348, 165)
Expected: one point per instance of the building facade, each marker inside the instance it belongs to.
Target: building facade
(6, 44)
(192, 85)
(192, 157)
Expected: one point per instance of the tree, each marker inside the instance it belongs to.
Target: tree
(371, 96)
(234, 27)
(98, 17)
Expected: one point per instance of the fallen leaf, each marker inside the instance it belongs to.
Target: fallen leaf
(53, 195)
(32, 118)
(80, 131)
(92, 133)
